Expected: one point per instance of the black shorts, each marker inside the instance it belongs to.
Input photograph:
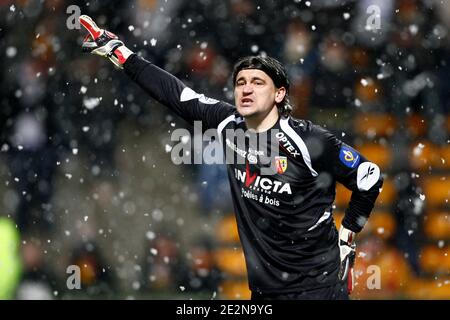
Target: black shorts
(336, 292)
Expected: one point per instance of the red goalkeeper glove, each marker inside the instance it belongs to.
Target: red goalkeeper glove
(104, 43)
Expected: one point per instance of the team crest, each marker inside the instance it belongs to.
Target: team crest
(281, 164)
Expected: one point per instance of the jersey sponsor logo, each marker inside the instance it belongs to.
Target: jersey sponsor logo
(265, 199)
(258, 183)
(286, 144)
(349, 157)
(368, 175)
(251, 155)
(281, 164)
(189, 94)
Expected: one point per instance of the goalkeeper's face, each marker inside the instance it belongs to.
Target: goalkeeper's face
(255, 94)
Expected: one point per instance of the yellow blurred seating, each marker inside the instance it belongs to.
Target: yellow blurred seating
(231, 261)
(433, 259)
(437, 191)
(226, 230)
(374, 124)
(437, 225)
(377, 153)
(235, 290)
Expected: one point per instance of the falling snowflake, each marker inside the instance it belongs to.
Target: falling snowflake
(91, 103)
(11, 52)
(136, 285)
(150, 235)
(185, 139)
(418, 149)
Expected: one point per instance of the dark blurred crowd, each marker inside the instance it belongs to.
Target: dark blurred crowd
(56, 101)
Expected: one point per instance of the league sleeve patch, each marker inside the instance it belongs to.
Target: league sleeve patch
(349, 157)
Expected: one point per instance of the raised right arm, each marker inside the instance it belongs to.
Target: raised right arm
(171, 92)
(159, 84)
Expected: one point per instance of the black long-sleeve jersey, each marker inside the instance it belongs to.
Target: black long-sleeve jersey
(284, 219)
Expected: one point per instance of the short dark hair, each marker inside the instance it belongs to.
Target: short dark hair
(274, 69)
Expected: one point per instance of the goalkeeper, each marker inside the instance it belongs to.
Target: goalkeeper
(290, 242)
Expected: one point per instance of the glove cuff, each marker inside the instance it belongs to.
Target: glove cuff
(346, 235)
(122, 53)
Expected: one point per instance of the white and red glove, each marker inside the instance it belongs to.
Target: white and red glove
(347, 248)
(104, 43)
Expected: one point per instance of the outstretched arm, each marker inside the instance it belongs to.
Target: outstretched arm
(159, 84)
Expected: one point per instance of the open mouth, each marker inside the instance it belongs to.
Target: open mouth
(246, 101)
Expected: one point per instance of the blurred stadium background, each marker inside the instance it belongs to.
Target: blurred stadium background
(86, 176)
